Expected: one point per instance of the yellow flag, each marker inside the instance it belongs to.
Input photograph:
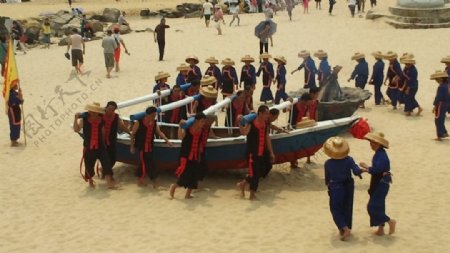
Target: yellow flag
(11, 75)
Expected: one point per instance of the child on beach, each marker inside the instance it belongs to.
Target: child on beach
(440, 103)
(46, 32)
(218, 17)
(280, 80)
(379, 183)
(266, 68)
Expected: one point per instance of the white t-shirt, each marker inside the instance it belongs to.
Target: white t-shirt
(233, 9)
(207, 8)
(76, 41)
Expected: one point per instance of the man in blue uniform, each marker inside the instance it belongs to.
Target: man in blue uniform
(377, 77)
(310, 69)
(360, 73)
(440, 103)
(324, 68)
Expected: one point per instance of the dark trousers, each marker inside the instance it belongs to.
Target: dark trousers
(410, 100)
(146, 166)
(332, 2)
(393, 96)
(352, 10)
(161, 46)
(187, 173)
(378, 94)
(341, 203)
(111, 149)
(263, 46)
(280, 94)
(439, 120)
(376, 206)
(258, 166)
(91, 156)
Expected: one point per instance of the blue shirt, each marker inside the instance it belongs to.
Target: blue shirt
(361, 72)
(442, 95)
(180, 79)
(194, 74)
(378, 73)
(281, 74)
(339, 170)
(248, 74)
(410, 75)
(310, 72)
(380, 162)
(324, 69)
(161, 86)
(215, 71)
(14, 98)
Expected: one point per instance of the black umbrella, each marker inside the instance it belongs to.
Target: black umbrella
(260, 27)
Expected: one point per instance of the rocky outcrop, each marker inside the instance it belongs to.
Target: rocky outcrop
(111, 15)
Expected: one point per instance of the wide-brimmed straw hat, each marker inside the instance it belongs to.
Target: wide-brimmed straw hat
(446, 59)
(247, 58)
(208, 91)
(207, 80)
(378, 55)
(377, 137)
(304, 53)
(192, 57)
(95, 107)
(265, 56)
(408, 60)
(161, 75)
(390, 55)
(183, 67)
(438, 74)
(212, 60)
(320, 53)
(305, 122)
(227, 62)
(358, 56)
(280, 59)
(336, 148)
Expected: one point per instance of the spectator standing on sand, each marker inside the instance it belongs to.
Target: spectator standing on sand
(207, 9)
(160, 37)
(109, 45)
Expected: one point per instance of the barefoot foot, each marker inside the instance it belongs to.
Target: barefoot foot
(392, 224)
(172, 190)
(346, 234)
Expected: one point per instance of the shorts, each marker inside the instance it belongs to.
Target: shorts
(77, 57)
(109, 60)
(46, 38)
(207, 17)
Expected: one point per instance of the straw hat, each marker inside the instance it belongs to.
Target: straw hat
(192, 57)
(161, 75)
(227, 62)
(208, 91)
(207, 80)
(390, 55)
(94, 107)
(304, 53)
(320, 54)
(408, 60)
(280, 59)
(336, 148)
(438, 74)
(183, 67)
(406, 55)
(377, 54)
(377, 137)
(306, 122)
(358, 56)
(212, 60)
(446, 59)
(247, 58)
(265, 56)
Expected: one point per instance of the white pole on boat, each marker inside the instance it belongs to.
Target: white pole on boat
(250, 117)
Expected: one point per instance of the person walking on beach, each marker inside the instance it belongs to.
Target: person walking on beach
(380, 181)
(234, 10)
(393, 76)
(330, 9)
(289, 8)
(324, 70)
(190, 156)
(119, 41)
(160, 37)
(46, 32)
(18, 37)
(109, 45)
(310, 69)
(318, 4)
(230, 79)
(351, 6)
(340, 183)
(305, 6)
(411, 86)
(260, 154)
(218, 17)
(78, 49)
(194, 72)
(15, 113)
(361, 72)
(207, 9)
(93, 143)
(266, 68)
(440, 103)
(264, 37)
(213, 70)
(3, 52)
(280, 80)
(377, 77)
(142, 138)
(248, 72)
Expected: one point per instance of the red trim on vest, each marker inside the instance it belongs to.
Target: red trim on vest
(141, 155)
(148, 147)
(94, 142)
(107, 126)
(193, 154)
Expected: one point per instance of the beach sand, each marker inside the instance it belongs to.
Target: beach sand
(45, 206)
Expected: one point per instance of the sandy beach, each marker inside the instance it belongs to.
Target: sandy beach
(46, 206)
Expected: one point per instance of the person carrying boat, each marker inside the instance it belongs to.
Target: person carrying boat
(142, 138)
(360, 73)
(208, 95)
(266, 68)
(248, 72)
(440, 103)
(214, 71)
(324, 68)
(176, 114)
(310, 69)
(194, 72)
(260, 154)
(94, 144)
(190, 156)
(280, 80)
(340, 183)
(207, 132)
(112, 125)
(230, 80)
(300, 109)
(237, 107)
(161, 84)
(377, 77)
(380, 181)
(182, 74)
(394, 75)
(411, 86)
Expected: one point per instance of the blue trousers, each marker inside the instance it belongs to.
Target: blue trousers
(378, 94)
(410, 100)
(439, 120)
(393, 96)
(341, 203)
(280, 94)
(376, 206)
